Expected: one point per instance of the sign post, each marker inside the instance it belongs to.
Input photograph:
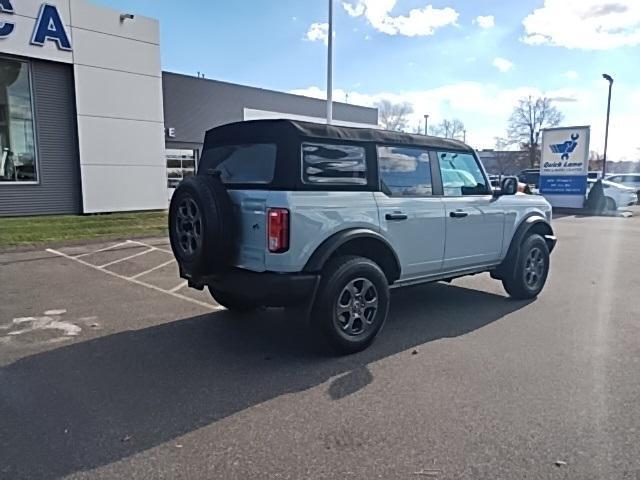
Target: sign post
(564, 166)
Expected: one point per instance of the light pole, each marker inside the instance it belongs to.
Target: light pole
(330, 66)
(609, 79)
(426, 124)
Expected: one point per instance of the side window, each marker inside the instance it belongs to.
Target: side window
(461, 175)
(333, 164)
(616, 179)
(250, 164)
(405, 172)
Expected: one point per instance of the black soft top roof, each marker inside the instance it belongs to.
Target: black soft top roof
(285, 132)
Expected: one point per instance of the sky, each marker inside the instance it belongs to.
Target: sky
(465, 59)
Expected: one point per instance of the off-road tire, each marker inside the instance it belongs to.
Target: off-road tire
(340, 280)
(526, 277)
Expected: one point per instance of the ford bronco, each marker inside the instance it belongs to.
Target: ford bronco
(286, 213)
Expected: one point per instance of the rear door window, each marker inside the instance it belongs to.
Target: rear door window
(405, 172)
(242, 164)
(329, 164)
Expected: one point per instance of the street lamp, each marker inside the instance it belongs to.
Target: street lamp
(426, 124)
(609, 79)
(330, 67)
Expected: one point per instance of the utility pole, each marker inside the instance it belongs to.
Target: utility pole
(609, 79)
(330, 67)
(426, 123)
(464, 136)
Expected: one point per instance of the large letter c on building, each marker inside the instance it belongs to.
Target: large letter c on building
(6, 27)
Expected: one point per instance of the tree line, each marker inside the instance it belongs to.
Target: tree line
(524, 127)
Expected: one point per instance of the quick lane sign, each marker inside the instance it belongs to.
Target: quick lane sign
(564, 165)
(48, 26)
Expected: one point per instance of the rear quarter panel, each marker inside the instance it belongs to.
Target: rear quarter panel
(315, 216)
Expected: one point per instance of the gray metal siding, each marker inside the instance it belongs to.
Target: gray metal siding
(194, 105)
(58, 191)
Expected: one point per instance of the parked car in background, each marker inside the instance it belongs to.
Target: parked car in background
(616, 195)
(628, 180)
(530, 176)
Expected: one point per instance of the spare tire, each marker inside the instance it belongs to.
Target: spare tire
(201, 225)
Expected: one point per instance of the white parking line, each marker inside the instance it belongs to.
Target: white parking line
(179, 287)
(104, 249)
(136, 282)
(151, 246)
(157, 267)
(139, 254)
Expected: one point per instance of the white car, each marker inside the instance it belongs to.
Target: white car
(628, 180)
(616, 195)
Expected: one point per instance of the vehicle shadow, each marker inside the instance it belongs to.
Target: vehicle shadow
(89, 404)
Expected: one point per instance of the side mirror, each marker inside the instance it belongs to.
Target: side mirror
(509, 186)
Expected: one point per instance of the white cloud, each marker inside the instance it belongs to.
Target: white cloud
(318, 32)
(419, 21)
(485, 108)
(571, 75)
(502, 64)
(485, 21)
(584, 24)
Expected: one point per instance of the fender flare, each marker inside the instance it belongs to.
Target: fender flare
(335, 241)
(529, 222)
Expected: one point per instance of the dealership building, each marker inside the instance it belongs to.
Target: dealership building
(89, 122)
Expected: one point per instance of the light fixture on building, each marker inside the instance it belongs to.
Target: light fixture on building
(126, 16)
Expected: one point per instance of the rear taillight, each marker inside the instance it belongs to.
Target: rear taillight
(278, 230)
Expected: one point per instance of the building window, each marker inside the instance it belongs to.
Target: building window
(180, 165)
(334, 164)
(17, 139)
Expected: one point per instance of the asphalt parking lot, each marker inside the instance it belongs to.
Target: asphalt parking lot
(111, 368)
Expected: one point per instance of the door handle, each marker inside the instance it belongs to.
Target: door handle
(396, 216)
(458, 214)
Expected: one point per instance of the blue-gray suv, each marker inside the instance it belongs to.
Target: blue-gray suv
(286, 213)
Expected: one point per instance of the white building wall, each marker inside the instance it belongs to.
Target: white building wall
(119, 104)
(118, 86)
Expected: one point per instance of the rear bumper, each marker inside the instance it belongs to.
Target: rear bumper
(267, 288)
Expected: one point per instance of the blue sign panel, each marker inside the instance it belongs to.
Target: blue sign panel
(563, 184)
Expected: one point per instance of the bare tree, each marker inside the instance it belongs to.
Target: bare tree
(394, 116)
(596, 161)
(453, 128)
(527, 120)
